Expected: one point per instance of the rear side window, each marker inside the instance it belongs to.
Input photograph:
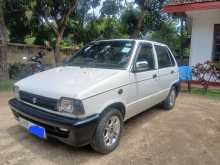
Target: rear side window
(164, 58)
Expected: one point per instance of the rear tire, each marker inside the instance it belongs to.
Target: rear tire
(108, 132)
(170, 101)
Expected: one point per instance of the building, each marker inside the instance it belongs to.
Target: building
(203, 16)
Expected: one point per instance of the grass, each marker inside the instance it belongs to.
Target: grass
(212, 93)
(6, 85)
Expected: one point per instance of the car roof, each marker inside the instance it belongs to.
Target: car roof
(137, 40)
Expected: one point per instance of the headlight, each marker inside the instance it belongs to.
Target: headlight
(72, 106)
(16, 92)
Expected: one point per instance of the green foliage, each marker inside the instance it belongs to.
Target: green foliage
(166, 34)
(15, 70)
(24, 25)
(153, 16)
(43, 35)
(26, 22)
(66, 43)
(104, 28)
(129, 20)
(6, 85)
(82, 10)
(29, 39)
(17, 19)
(110, 8)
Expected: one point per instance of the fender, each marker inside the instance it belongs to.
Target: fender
(113, 102)
(177, 85)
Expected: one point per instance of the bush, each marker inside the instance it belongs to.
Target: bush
(6, 85)
(18, 71)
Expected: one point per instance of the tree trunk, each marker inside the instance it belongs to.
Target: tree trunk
(3, 46)
(57, 49)
(139, 25)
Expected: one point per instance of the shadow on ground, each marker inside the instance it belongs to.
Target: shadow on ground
(52, 149)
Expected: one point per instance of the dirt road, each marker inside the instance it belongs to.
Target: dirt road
(187, 135)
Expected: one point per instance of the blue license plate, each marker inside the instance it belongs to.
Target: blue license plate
(37, 131)
(32, 128)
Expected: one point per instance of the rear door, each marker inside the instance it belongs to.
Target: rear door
(167, 69)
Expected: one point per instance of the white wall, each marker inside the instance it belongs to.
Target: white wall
(202, 34)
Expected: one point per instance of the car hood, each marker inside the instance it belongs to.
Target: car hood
(64, 81)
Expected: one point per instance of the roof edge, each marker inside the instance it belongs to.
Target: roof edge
(180, 8)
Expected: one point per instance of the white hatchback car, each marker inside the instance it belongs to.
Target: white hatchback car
(87, 100)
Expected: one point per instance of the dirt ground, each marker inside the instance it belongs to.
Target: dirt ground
(187, 135)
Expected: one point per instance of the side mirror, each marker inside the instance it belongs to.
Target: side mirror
(141, 66)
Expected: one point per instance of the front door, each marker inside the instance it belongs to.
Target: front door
(146, 81)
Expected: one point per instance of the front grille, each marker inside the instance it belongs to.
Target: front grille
(40, 101)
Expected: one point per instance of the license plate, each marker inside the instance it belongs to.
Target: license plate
(32, 128)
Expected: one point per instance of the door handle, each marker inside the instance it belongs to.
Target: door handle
(154, 76)
(172, 72)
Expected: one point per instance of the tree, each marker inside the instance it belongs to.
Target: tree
(56, 15)
(23, 25)
(66, 22)
(150, 16)
(3, 44)
(18, 16)
(83, 10)
(110, 8)
(129, 20)
(166, 34)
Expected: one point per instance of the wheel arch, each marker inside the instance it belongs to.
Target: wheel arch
(117, 105)
(177, 87)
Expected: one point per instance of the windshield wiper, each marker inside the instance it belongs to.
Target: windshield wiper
(88, 60)
(91, 63)
(108, 65)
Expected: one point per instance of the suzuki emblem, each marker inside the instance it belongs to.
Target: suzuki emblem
(34, 100)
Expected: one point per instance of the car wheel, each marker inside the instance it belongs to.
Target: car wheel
(108, 132)
(170, 101)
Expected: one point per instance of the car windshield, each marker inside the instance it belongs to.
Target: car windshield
(104, 54)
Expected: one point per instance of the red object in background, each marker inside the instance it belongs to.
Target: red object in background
(191, 7)
(197, 84)
(211, 84)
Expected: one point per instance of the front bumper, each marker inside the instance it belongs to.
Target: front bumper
(80, 131)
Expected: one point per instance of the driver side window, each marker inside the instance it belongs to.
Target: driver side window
(146, 55)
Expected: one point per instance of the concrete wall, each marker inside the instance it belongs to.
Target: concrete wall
(17, 51)
(202, 35)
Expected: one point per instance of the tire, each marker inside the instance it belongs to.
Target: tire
(170, 101)
(107, 138)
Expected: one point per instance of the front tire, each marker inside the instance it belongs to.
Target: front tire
(170, 101)
(108, 132)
